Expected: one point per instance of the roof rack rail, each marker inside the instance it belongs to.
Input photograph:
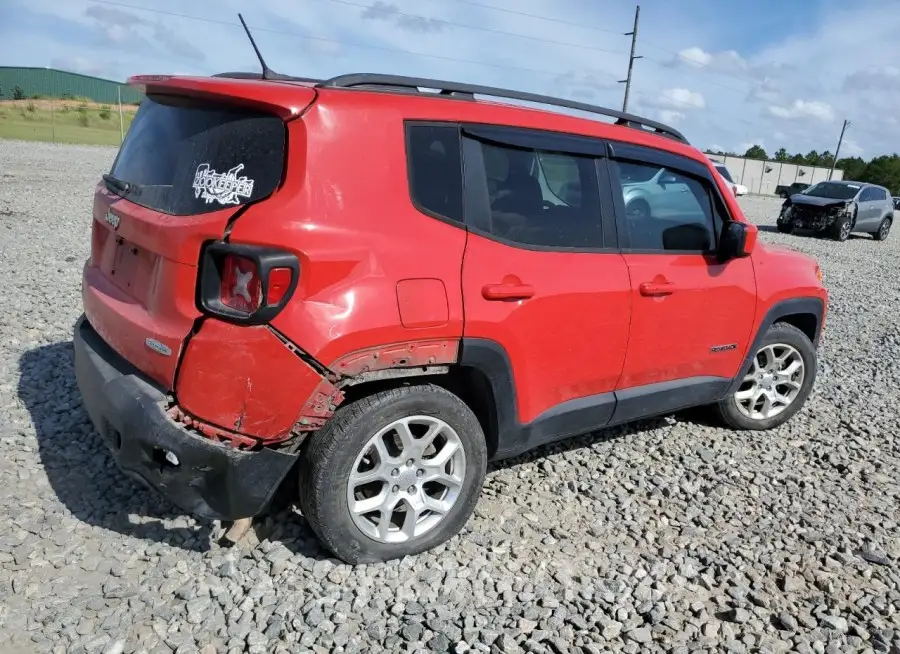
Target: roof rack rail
(413, 84)
(269, 76)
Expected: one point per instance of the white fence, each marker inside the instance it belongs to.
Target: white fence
(762, 177)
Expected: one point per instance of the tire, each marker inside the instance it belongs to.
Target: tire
(840, 230)
(638, 210)
(338, 449)
(782, 336)
(883, 230)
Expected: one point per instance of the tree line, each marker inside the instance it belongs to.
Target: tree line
(883, 169)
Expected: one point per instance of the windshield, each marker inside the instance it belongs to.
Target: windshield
(724, 172)
(183, 157)
(832, 191)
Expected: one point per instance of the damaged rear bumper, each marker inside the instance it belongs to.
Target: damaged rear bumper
(202, 477)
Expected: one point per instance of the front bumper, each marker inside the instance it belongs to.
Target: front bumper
(813, 218)
(209, 480)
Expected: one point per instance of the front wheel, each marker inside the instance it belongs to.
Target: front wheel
(779, 381)
(840, 230)
(393, 474)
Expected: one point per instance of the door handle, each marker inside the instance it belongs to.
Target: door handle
(507, 291)
(656, 289)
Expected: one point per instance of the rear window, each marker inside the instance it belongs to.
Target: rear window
(184, 157)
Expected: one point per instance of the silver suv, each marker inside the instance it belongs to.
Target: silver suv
(839, 208)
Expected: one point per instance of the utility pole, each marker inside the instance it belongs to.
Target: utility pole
(838, 149)
(633, 34)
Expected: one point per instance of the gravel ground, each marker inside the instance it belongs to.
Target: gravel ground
(669, 535)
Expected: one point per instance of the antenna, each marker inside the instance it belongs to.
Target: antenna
(267, 73)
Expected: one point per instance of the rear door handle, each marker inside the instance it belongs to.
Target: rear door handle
(507, 291)
(656, 289)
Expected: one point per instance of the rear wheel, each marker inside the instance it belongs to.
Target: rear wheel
(777, 384)
(883, 230)
(393, 474)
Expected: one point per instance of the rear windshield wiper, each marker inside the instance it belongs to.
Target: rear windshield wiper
(120, 186)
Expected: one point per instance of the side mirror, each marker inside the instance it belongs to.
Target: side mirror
(667, 178)
(736, 241)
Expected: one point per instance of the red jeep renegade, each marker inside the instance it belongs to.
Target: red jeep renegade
(374, 285)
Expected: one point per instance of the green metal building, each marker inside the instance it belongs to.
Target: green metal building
(52, 83)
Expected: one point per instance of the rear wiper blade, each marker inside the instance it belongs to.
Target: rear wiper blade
(123, 187)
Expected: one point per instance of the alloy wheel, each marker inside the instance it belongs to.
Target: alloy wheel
(406, 479)
(772, 383)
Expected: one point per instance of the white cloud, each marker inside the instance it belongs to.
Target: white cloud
(670, 116)
(727, 61)
(681, 99)
(803, 109)
(841, 64)
(695, 56)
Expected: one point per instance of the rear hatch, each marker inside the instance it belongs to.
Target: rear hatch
(199, 152)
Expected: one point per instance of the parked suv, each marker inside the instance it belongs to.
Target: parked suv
(372, 289)
(838, 209)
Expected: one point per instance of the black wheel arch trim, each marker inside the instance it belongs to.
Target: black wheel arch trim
(578, 416)
(798, 306)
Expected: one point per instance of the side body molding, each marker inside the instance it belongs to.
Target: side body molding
(587, 414)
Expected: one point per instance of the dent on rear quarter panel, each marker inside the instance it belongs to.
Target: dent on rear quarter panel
(350, 220)
(243, 379)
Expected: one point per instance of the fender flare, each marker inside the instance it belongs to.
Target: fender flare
(809, 305)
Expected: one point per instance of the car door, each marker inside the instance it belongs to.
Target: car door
(867, 209)
(540, 290)
(691, 315)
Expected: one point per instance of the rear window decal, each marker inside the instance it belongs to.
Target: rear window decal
(224, 188)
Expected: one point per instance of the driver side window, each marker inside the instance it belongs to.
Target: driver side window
(667, 210)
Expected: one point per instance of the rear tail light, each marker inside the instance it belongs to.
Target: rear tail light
(240, 288)
(245, 283)
(279, 284)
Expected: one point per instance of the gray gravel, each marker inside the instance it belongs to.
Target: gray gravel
(669, 535)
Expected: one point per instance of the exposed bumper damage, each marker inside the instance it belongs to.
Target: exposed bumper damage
(205, 469)
(802, 215)
(202, 476)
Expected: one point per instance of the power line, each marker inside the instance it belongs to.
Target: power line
(477, 28)
(548, 19)
(560, 21)
(551, 73)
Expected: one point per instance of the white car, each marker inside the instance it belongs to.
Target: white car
(739, 189)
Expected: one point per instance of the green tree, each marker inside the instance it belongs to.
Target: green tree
(781, 155)
(756, 152)
(811, 158)
(884, 170)
(18, 93)
(853, 167)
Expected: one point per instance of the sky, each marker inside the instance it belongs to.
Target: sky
(726, 74)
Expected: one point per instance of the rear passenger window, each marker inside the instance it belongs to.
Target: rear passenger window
(667, 210)
(435, 170)
(541, 198)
